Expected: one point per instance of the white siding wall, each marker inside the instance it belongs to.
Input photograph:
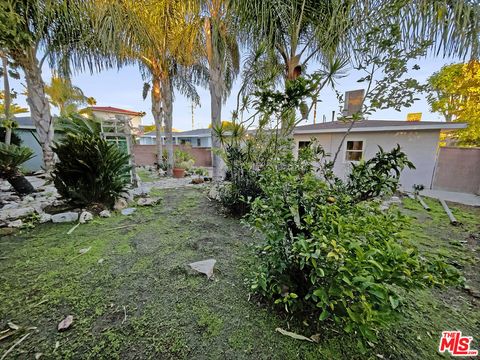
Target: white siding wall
(420, 147)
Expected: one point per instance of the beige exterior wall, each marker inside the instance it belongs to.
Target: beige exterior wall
(420, 146)
(135, 121)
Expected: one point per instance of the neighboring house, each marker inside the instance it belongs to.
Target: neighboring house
(195, 138)
(419, 140)
(109, 112)
(27, 132)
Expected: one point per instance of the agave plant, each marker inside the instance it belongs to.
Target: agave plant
(90, 170)
(11, 157)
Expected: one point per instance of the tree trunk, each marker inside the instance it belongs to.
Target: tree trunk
(20, 183)
(7, 102)
(167, 92)
(39, 106)
(216, 116)
(216, 94)
(293, 69)
(157, 116)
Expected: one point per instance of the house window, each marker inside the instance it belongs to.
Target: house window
(354, 150)
(303, 144)
(199, 142)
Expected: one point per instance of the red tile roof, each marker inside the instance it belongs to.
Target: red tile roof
(111, 109)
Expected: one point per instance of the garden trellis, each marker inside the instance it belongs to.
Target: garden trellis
(116, 129)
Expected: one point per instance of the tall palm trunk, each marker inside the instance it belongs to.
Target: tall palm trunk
(157, 116)
(216, 94)
(6, 88)
(168, 116)
(293, 68)
(39, 106)
(215, 86)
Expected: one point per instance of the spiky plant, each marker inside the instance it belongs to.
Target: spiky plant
(90, 169)
(11, 157)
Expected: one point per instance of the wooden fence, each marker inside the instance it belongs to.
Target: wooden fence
(457, 169)
(146, 155)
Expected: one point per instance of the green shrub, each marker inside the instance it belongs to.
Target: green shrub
(242, 186)
(15, 140)
(200, 171)
(183, 159)
(378, 175)
(11, 158)
(90, 170)
(327, 255)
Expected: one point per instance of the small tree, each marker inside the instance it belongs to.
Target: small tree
(65, 96)
(11, 158)
(454, 92)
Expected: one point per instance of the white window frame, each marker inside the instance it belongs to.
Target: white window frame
(364, 144)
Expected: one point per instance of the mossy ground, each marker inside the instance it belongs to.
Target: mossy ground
(142, 302)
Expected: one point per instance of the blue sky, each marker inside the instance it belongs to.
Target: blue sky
(123, 88)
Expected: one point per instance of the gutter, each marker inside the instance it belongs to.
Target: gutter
(450, 126)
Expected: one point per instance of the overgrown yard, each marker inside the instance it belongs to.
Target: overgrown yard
(141, 301)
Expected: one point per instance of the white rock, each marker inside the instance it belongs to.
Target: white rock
(127, 195)
(16, 213)
(85, 216)
(128, 211)
(140, 191)
(10, 206)
(65, 323)
(44, 218)
(28, 198)
(16, 224)
(5, 186)
(148, 201)
(65, 217)
(105, 214)
(204, 267)
(214, 193)
(120, 204)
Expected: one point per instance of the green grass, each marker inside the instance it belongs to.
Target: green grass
(143, 302)
(147, 176)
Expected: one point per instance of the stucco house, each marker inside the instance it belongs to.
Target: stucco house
(194, 138)
(419, 140)
(109, 112)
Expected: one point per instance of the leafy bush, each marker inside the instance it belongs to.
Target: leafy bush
(90, 169)
(200, 171)
(379, 175)
(183, 159)
(15, 140)
(11, 157)
(327, 255)
(242, 173)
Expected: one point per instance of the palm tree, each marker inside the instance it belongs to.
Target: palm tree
(65, 96)
(223, 58)
(68, 34)
(167, 58)
(11, 158)
(292, 32)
